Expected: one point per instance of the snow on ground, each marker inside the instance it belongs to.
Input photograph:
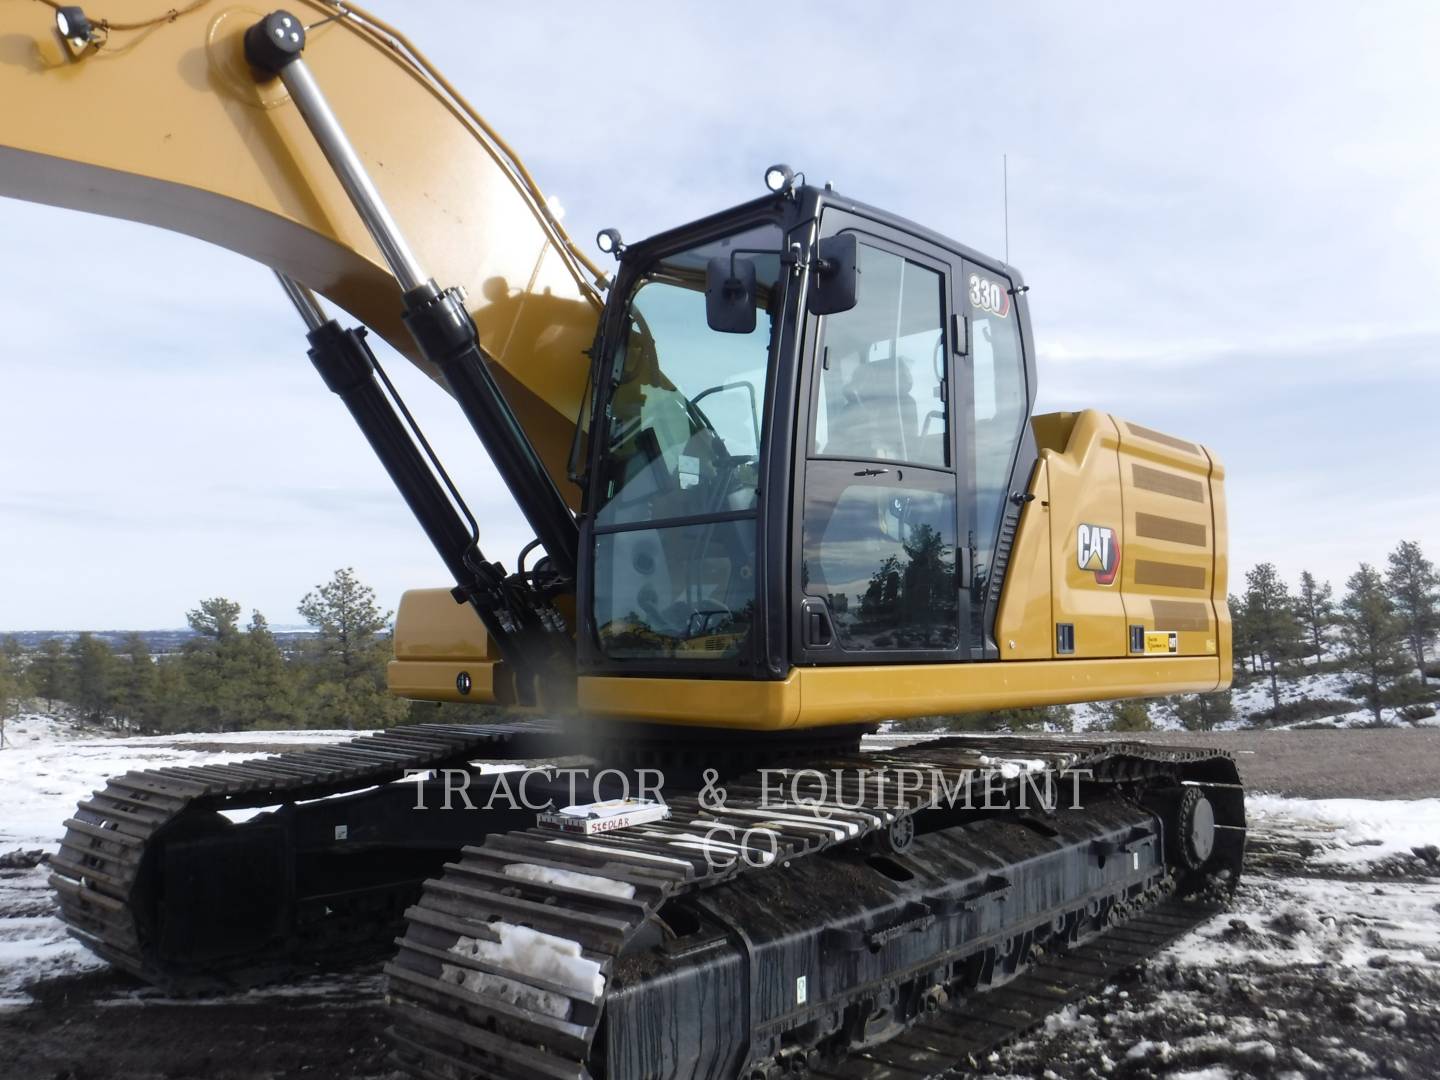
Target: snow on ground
(30, 728)
(1333, 972)
(341, 989)
(42, 778)
(1357, 832)
(49, 764)
(1290, 923)
(1252, 699)
(1306, 979)
(1254, 696)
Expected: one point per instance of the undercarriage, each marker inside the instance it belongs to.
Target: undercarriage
(848, 912)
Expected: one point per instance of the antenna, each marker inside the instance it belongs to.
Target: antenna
(1005, 185)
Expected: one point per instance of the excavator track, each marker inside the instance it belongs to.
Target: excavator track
(718, 944)
(957, 1036)
(117, 848)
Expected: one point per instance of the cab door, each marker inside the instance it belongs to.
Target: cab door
(880, 545)
(992, 373)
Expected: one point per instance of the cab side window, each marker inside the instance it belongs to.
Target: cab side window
(998, 366)
(882, 372)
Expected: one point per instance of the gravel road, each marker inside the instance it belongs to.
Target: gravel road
(1364, 764)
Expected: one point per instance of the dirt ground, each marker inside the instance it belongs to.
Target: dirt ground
(1323, 1015)
(94, 1027)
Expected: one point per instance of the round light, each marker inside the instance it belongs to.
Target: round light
(779, 177)
(72, 24)
(608, 241)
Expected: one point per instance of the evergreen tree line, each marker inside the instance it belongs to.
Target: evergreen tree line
(227, 677)
(1380, 630)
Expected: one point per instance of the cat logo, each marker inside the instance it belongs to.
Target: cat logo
(1098, 551)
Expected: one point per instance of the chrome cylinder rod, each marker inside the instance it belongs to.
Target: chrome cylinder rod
(325, 126)
(436, 318)
(304, 300)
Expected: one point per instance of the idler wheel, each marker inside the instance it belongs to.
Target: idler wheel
(1194, 828)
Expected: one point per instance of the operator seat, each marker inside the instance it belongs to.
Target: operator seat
(880, 419)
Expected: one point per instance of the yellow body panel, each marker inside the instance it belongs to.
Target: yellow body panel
(828, 696)
(1168, 554)
(1024, 629)
(436, 642)
(437, 628)
(168, 126)
(1163, 500)
(1220, 522)
(1084, 484)
(439, 680)
(747, 704)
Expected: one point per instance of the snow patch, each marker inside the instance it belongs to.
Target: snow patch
(529, 998)
(1292, 923)
(1010, 768)
(570, 879)
(1350, 831)
(542, 956)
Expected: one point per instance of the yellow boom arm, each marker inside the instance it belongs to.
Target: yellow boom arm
(165, 123)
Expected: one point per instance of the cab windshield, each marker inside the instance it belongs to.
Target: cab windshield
(681, 444)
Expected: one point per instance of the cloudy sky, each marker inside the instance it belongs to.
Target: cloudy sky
(1227, 214)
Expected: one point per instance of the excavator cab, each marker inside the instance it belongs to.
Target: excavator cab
(824, 485)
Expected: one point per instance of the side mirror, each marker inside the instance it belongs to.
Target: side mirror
(730, 294)
(835, 286)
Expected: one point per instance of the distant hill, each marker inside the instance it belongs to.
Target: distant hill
(157, 641)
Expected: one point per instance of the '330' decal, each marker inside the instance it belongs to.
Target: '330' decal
(987, 295)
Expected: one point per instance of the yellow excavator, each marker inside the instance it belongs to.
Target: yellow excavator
(785, 484)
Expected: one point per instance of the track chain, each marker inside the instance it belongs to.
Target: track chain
(459, 1008)
(955, 1039)
(99, 871)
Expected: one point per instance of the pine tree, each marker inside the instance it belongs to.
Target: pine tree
(217, 618)
(92, 667)
(1029, 718)
(49, 674)
(1316, 608)
(12, 652)
(1372, 633)
(1241, 650)
(348, 658)
(135, 682)
(1270, 618)
(1202, 712)
(171, 710)
(1128, 716)
(211, 666)
(12, 681)
(266, 696)
(1414, 589)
